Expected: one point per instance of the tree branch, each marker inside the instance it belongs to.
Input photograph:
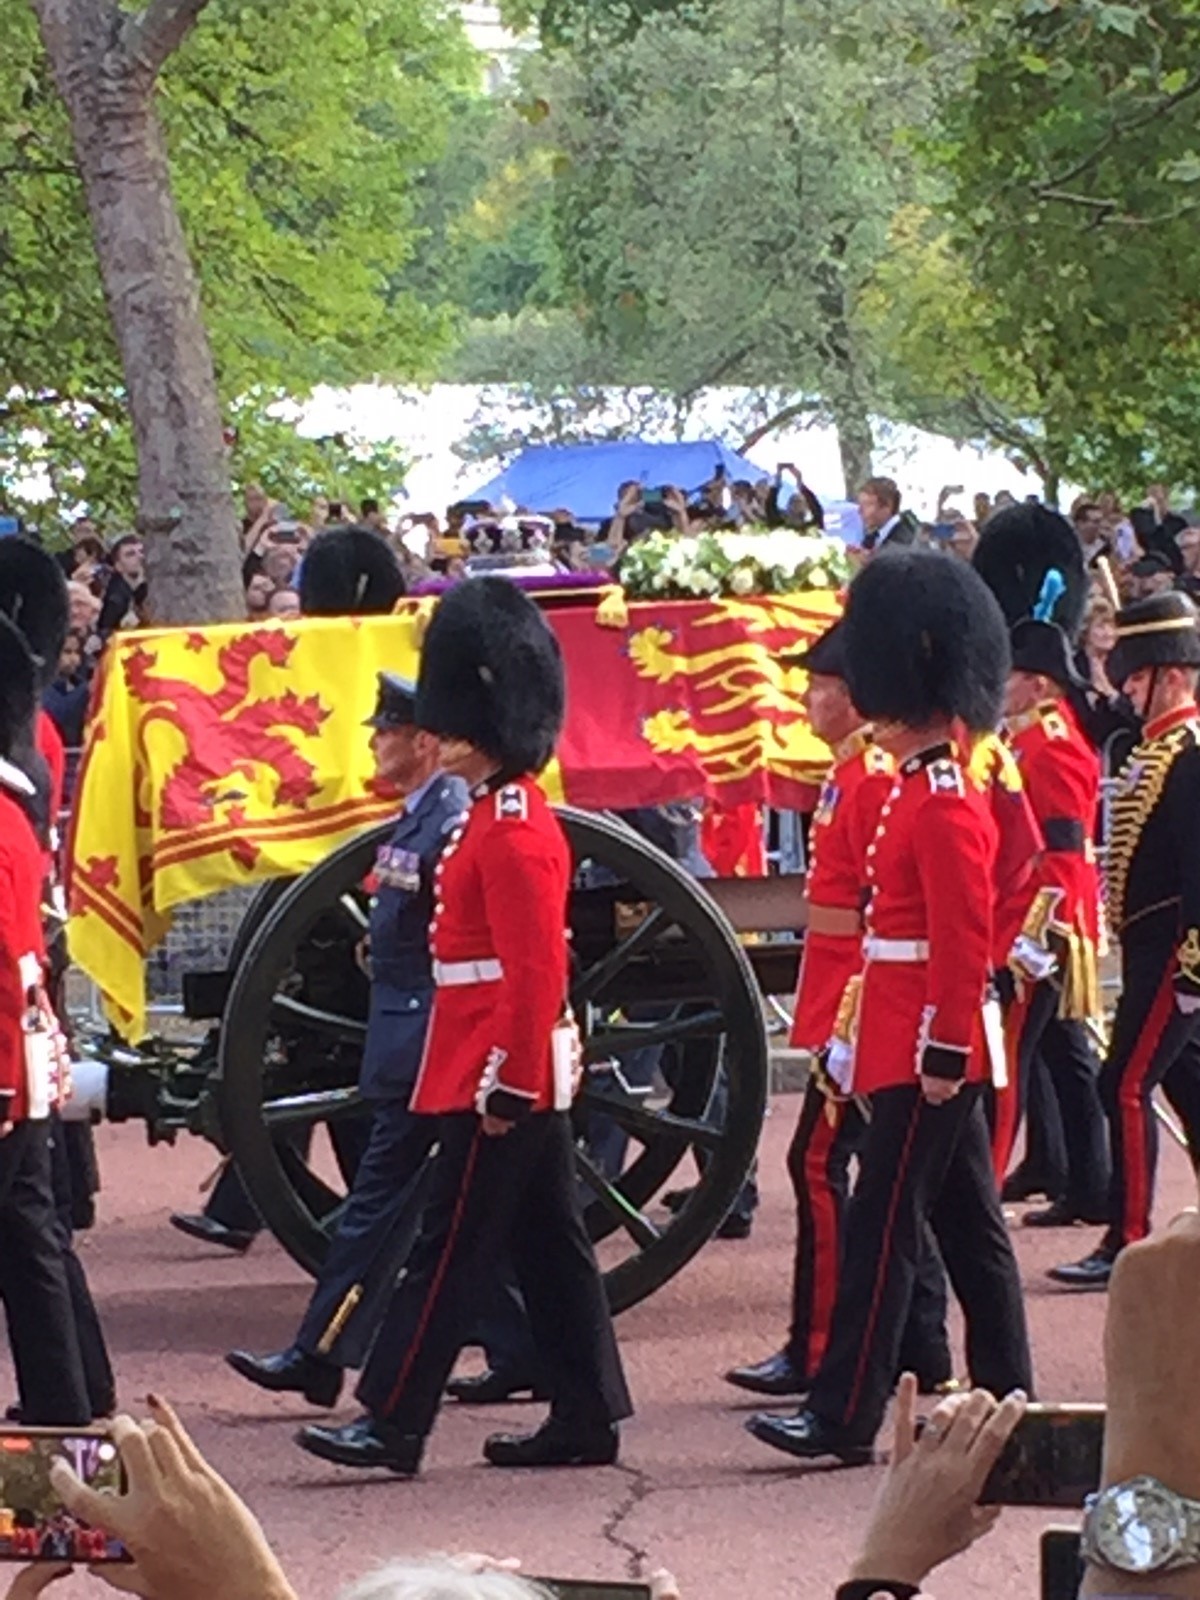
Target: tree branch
(785, 414)
(1160, 108)
(151, 37)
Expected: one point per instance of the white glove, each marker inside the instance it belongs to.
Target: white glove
(1032, 959)
(1188, 1004)
(839, 1064)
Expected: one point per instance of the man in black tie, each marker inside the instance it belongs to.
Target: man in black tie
(883, 521)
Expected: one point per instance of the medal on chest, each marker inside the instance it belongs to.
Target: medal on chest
(398, 869)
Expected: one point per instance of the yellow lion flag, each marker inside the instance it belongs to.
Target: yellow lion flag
(216, 758)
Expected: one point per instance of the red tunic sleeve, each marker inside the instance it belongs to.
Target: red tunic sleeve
(954, 850)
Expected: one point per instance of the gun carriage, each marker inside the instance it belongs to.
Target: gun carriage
(239, 774)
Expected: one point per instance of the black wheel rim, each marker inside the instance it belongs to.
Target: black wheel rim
(654, 966)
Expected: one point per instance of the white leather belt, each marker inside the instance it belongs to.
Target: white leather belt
(450, 974)
(895, 949)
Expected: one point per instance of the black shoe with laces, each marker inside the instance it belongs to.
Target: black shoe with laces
(493, 1387)
(776, 1376)
(1093, 1272)
(364, 1443)
(809, 1438)
(290, 1371)
(555, 1444)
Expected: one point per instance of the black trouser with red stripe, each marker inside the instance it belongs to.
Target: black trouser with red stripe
(1153, 1042)
(921, 1166)
(486, 1195)
(34, 1286)
(829, 1134)
(1057, 1051)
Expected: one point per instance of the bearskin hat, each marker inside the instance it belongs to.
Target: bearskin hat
(925, 638)
(33, 596)
(1161, 631)
(492, 673)
(349, 572)
(18, 694)
(1019, 551)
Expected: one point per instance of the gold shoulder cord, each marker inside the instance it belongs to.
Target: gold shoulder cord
(1132, 809)
(1189, 956)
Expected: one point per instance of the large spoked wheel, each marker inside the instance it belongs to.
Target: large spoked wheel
(674, 1044)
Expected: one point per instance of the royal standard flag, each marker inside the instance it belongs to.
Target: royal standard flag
(225, 756)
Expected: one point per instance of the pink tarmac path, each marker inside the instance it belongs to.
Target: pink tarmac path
(694, 1491)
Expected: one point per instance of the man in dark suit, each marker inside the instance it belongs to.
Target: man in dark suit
(883, 521)
(371, 1239)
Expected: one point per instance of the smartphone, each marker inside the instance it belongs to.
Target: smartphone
(1061, 1564)
(591, 1589)
(34, 1523)
(943, 532)
(1052, 1459)
(286, 533)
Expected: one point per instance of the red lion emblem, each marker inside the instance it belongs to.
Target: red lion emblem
(228, 733)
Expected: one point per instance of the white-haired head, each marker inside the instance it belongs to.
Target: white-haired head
(435, 1578)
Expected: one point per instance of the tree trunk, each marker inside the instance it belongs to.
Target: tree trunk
(186, 510)
(855, 445)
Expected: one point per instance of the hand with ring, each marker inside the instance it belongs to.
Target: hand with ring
(927, 1509)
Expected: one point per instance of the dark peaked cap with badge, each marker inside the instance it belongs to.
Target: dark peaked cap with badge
(395, 703)
(1160, 631)
(925, 639)
(492, 674)
(824, 655)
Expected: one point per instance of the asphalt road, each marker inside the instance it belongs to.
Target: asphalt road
(694, 1492)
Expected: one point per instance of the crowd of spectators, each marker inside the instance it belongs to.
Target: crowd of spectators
(1132, 552)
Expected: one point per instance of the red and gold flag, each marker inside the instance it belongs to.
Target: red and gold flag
(229, 755)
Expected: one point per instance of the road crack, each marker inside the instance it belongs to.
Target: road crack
(638, 1490)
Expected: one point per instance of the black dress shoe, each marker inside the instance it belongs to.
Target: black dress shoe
(735, 1227)
(491, 1388)
(555, 1444)
(1093, 1272)
(1061, 1214)
(1021, 1185)
(810, 1439)
(364, 1443)
(774, 1376)
(290, 1372)
(200, 1227)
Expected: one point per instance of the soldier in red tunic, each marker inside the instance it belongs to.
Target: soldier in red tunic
(1030, 558)
(33, 1279)
(498, 1069)
(33, 596)
(926, 646)
(1054, 958)
(831, 1127)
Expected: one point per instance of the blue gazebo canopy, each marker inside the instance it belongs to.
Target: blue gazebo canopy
(583, 478)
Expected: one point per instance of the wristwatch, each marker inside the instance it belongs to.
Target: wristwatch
(1141, 1527)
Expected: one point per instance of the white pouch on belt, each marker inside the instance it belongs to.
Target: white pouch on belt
(38, 1038)
(566, 1055)
(993, 1035)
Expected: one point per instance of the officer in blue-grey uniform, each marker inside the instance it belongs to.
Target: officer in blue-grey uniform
(356, 1280)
